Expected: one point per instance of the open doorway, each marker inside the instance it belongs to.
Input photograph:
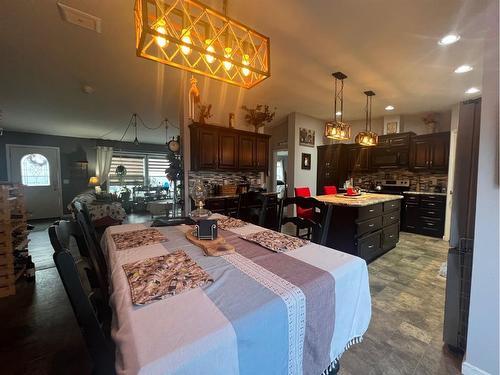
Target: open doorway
(281, 172)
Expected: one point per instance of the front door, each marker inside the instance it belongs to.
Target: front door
(38, 169)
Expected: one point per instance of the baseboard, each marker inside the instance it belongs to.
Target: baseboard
(468, 369)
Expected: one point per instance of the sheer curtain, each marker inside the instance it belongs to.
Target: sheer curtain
(103, 162)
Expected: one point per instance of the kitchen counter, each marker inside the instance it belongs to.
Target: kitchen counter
(365, 199)
(233, 196)
(423, 193)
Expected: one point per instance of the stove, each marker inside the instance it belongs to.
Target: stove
(395, 187)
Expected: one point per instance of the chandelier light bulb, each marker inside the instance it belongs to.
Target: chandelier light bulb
(245, 61)
(186, 38)
(227, 54)
(160, 41)
(210, 58)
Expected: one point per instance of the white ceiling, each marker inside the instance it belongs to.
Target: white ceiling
(389, 46)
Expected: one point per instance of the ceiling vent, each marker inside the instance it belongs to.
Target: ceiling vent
(79, 18)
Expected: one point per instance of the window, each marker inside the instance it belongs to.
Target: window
(35, 170)
(156, 170)
(142, 170)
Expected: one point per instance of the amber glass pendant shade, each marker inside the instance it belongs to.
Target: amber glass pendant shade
(189, 35)
(367, 137)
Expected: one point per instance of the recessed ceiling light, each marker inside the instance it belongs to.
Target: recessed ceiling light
(472, 90)
(463, 69)
(449, 39)
(338, 113)
(389, 108)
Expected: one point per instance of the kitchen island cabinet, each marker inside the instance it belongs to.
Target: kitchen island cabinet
(366, 226)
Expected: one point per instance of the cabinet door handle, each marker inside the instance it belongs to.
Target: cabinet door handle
(392, 235)
(431, 204)
(371, 210)
(370, 225)
(392, 217)
(431, 212)
(371, 246)
(430, 224)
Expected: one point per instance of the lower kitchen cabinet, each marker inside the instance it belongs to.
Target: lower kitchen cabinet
(367, 231)
(424, 214)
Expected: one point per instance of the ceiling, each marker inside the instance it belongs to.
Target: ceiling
(388, 46)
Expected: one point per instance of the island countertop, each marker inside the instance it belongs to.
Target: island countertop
(365, 199)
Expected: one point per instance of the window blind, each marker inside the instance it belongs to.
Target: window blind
(135, 170)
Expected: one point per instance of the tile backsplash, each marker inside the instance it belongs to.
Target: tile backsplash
(419, 181)
(221, 178)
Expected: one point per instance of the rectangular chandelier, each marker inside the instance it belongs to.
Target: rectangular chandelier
(189, 35)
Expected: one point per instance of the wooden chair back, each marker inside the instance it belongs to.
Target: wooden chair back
(252, 207)
(89, 309)
(317, 226)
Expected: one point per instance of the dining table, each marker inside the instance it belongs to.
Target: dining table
(292, 311)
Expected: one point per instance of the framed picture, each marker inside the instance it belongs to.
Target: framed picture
(306, 137)
(392, 125)
(306, 161)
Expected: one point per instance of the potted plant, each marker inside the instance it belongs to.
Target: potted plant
(258, 116)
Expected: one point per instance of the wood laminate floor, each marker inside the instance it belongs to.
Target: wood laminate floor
(40, 334)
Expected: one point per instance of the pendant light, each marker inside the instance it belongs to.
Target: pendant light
(368, 138)
(136, 141)
(338, 129)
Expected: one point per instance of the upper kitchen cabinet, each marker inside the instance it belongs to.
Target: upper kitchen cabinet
(204, 148)
(331, 167)
(430, 152)
(358, 158)
(215, 148)
(392, 151)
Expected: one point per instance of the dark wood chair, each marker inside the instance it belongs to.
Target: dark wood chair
(252, 208)
(91, 312)
(317, 225)
(96, 255)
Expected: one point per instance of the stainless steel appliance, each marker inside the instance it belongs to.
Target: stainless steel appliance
(459, 268)
(395, 187)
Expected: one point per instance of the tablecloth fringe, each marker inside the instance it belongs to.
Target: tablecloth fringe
(332, 365)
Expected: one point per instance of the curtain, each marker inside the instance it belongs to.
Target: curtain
(103, 162)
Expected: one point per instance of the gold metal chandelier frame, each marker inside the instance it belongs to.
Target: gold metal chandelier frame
(189, 35)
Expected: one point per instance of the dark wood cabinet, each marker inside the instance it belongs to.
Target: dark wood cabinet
(261, 153)
(216, 148)
(228, 147)
(424, 214)
(430, 152)
(208, 158)
(367, 231)
(358, 158)
(331, 170)
(246, 152)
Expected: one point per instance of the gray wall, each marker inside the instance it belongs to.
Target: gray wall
(71, 150)
(483, 336)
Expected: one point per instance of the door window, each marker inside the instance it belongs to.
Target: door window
(35, 170)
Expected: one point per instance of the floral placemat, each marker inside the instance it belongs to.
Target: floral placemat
(230, 223)
(137, 238)
(164, 276)
(275, 241)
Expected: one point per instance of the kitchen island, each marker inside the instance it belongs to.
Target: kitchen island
(366, 226)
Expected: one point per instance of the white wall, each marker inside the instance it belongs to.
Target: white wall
(300, 177)
(483, 348)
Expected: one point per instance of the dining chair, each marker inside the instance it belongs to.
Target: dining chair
(317, 226)
(96, 255)
(91, 312)
(329, 190)
(303, 192)
(252, 208)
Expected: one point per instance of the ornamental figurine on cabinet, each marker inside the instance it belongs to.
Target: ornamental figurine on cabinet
(259, 115)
